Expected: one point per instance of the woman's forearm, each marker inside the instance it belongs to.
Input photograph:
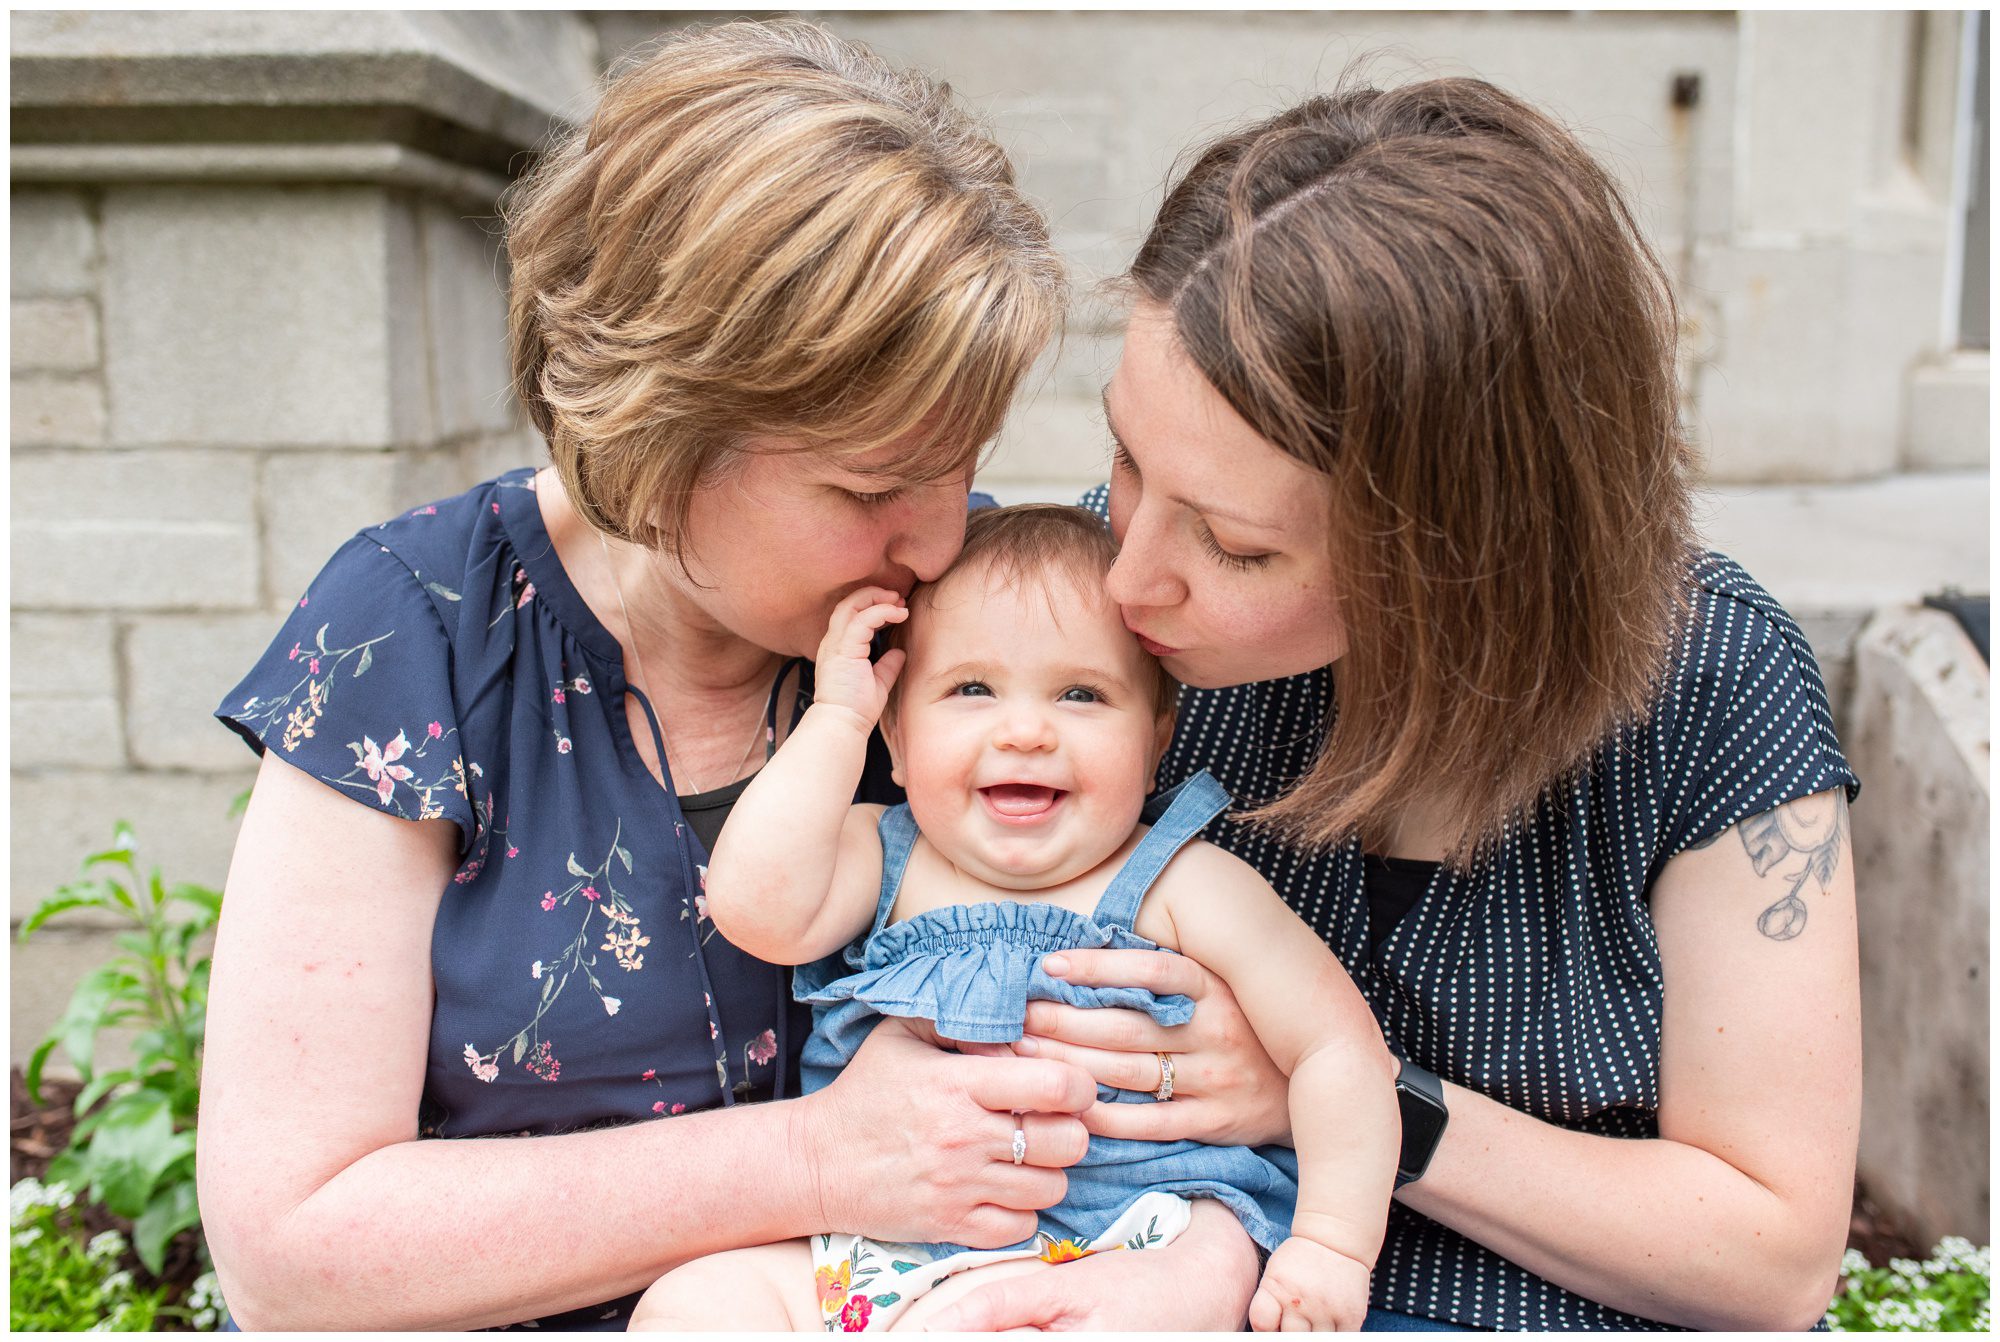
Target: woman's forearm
(463, 1234)
(1652, 1227)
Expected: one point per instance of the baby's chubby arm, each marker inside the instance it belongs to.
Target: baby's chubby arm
(1316, 1026)
(797, 870)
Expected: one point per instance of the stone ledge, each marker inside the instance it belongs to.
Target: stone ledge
(239, 164)
(472, 89)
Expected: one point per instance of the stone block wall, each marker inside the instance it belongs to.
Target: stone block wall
(213, 387)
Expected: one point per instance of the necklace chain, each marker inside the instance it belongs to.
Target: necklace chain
(646, 685)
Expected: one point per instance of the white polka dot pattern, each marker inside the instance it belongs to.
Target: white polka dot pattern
(1535, 978)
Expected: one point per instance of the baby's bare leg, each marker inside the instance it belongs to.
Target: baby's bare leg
(765, 1289)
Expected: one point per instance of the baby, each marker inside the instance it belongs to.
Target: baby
(1025, 723)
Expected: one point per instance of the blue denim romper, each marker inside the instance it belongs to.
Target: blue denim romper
(972, 969)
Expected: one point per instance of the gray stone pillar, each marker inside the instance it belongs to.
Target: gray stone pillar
(258, 302)
(1921, 742)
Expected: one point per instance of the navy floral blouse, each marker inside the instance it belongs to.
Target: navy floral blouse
(442, 666)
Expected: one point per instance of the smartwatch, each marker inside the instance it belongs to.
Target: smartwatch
(1420, 1097)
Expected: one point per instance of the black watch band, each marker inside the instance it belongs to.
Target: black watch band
(1420, 1097)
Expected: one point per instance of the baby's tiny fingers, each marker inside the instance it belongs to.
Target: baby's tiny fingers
(1264, 1312)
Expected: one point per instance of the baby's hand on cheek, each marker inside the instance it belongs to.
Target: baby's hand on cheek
(843, 677)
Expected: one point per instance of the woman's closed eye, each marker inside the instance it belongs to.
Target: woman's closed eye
(1229, 558)
(874, 500)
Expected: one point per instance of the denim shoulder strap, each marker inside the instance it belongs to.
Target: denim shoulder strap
(898, 829)
(1177, 816)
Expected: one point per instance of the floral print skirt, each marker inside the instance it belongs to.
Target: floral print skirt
(864, 1285)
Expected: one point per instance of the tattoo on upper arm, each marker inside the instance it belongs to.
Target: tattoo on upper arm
(1809, 831)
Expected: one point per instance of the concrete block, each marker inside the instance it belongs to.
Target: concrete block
(1920, 742)
(255, 317)
(177, 669)
(314, 501)
(57, 731)
(52, 410)
(180, 821)
(1951, 415)
(1053, 438)
(1813, 344)
(465, 294)
(53, 249)
(62, 655)
(134, 530)
(1815, 96)
(56, 335)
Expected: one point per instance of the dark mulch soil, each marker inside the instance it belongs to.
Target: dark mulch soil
(38, 1133)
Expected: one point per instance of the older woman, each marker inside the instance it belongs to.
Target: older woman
(1402, 494)
(766, 309)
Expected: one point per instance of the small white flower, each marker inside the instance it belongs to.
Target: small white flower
(106, 1244)
(21, 1197)
(611, 1005)
(1905, 1266)
(63, 1199)
(205, 1320)
(117, 1281)
(1852, 1263)
(28, 1235)
(535, 970)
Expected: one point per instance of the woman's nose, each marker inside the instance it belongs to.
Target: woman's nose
(932, 531)
(1138, 577)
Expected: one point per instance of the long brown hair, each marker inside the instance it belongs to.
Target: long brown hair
(1433, 296)
(768, 230)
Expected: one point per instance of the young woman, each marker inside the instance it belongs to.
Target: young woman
(1402, 494)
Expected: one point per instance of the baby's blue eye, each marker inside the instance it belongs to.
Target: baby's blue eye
(1077, 694)
(972, 688)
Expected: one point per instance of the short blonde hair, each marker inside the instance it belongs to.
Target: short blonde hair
(1043, 544)
(766, 230)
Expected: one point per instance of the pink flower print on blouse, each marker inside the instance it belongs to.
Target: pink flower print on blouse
(548, 900)
(557, 695)
(659, 1106)
(761, 1049)
(380, 764)
(435, 730)
(481, 1068)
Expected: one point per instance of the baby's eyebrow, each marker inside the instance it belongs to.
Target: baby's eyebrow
(964, 670)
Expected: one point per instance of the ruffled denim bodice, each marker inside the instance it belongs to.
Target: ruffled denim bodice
(972, 969)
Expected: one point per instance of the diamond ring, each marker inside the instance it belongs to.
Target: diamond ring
(1166, 1090)
(1020, 1141)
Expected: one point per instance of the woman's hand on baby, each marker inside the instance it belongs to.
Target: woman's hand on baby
(1227, 1091)
(1308, 1287)
(842, 674)
(913, 1144)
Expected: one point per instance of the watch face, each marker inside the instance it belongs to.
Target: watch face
(1423, 1123)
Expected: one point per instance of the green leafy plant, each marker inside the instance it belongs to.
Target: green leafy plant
(58, 1281)
(1951, 1291)
(135, 1153)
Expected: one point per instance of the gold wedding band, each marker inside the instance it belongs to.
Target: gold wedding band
(1166, 1090)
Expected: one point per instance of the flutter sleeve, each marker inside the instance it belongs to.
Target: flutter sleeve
(1754, 729)
(356, 691)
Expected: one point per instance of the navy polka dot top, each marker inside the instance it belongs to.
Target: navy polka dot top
(1535, 978)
